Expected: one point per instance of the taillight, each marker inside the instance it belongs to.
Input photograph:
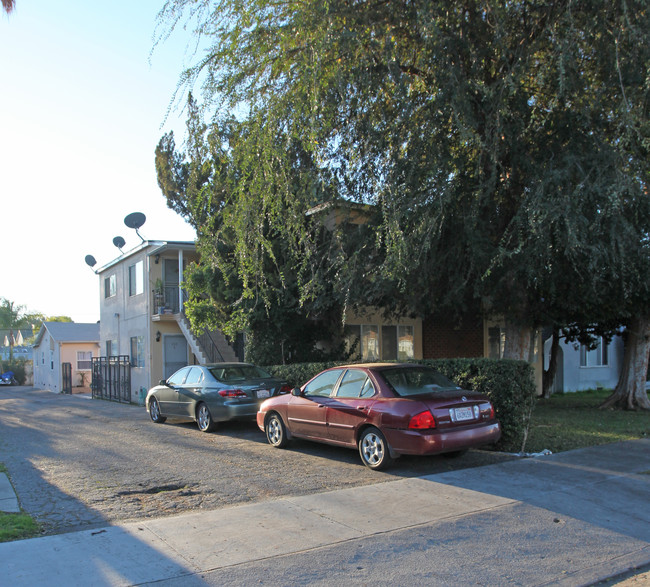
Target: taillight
(285, 389)
(231, 393)
(487, 411)
(422, 421)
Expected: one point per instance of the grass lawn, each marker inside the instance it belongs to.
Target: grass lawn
(16, 526)
(573, 420)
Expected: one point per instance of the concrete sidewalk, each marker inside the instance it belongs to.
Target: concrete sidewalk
(573, 518)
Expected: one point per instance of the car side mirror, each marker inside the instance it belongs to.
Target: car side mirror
(163, 382)
(296, 391)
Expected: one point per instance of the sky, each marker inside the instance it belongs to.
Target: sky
(83, 104)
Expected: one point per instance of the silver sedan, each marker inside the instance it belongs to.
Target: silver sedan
(213, 393)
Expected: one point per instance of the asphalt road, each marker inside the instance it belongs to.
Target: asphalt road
(78, 463)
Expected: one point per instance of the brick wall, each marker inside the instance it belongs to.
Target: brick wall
(443, 339)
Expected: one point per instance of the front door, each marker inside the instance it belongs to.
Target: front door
(174, 353)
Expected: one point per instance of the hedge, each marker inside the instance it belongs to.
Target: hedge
(509, 385)
(17, 366)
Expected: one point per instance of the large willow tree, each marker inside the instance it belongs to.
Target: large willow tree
(503, 146)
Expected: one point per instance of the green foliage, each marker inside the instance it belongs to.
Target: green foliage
(297, 374)
(508, 384)
(17, 366)
(504, 147)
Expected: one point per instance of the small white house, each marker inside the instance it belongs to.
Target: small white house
(64, 342)
(579, 368)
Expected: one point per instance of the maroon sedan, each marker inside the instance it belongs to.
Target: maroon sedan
(384, 410)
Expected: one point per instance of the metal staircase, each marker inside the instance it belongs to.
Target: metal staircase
(210, 347)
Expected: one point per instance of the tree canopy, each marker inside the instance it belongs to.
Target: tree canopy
(503, 147)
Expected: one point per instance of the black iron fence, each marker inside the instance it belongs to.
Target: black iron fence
(66, 377)
(111, 378)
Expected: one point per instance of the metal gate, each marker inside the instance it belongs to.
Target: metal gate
(111, 378)
(66, 376)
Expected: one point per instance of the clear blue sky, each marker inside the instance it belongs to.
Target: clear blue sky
(81, 108)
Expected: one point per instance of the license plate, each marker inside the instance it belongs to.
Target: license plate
(463, 414)
(263, 393)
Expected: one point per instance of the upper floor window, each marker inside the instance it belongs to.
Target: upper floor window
(110, 286)
(136, 279)
(595, 357)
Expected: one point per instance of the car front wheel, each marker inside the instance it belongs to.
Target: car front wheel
(204, 419)
(374, 450)
(154, 412)
(276, 433)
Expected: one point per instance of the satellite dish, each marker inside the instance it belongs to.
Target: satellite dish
(135, 220)
(119, 242)
(90, 261)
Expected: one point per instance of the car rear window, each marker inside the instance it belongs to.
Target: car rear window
(239, 373)
(416, 381)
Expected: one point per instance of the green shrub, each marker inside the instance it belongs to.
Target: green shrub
(298, 374)
(18, 368)
(509, 385)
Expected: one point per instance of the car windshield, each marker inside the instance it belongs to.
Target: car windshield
(234, 373)
(407, 381)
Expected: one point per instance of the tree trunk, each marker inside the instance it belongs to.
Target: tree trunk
(549, 375)
(517, 345)
(630, 392)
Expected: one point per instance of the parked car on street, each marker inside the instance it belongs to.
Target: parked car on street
(213, 393)
(383, 410)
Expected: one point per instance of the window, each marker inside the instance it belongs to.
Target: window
(111, 348)
(84, 360)
(110, 286)
(397, 342)
(323, 384)
(595, 357)
(136, 279)
(369, 342)
(137, 351)
(355, 384)
(195, 376)
(405, 343)
(496, 342)
(178, 377)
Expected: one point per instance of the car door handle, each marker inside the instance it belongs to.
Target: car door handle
(362, 408)
(321, 405)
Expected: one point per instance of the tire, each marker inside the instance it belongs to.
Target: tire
(154, 412)
(374, 450)
(204, 419)
(276, 433)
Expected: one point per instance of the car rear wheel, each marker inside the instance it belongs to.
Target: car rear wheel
(374, 450)
(204, 419)
(154, 411)
(276, 433)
